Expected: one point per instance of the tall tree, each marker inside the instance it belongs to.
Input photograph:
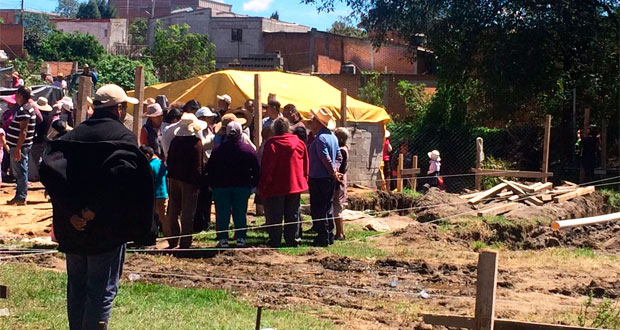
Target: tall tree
(138, 31)
(67, 8)
(275, 15)
(119, 70)
(500, 59)
(107, 9)
(344, 26)
(179, 54)
(88, 10)
(69, 47)
(36, 28)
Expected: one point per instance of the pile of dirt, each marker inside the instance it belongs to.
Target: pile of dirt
(438, 204)
(583, 206)
(380, 201)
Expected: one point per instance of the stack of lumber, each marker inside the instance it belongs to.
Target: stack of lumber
(511, 194)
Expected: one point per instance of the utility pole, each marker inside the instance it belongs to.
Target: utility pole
(153, 9)
(21, 19)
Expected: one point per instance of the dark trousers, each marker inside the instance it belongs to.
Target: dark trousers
(286, 207)
(92, 283)
(321, 208)
(202, 219)
(182, 198)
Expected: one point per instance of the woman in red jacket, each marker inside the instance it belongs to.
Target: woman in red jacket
(284, 176)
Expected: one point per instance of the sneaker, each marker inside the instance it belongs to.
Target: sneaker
(240, 242)
(223, 243)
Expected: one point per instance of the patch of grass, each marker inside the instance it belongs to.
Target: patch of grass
(445, 226)
(613, 199)
(478, 245)
(412, 215)
(304, 199)
(584, 252)
(498, 246)
(410, 193)
(37, 301)
(497, 219)
(605, 315)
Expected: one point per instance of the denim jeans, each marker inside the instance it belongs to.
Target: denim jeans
(321, 208)
(276, 208)
(92, 283)
(20, 172)
(227, 200)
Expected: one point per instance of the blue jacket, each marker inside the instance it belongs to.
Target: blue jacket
(324, 155)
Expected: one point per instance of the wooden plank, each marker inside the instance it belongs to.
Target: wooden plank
(529, 203)
(546, 197)
(564, 182)
(486, 284)
(399, 173)
(522, 325)
(258, 112)
(470, 195)
(500, 324)
(512, 173)
(546, 141)
(414, 181)
(85, 88)
(543, 186)
(515, 188)
(139, 94)
(505, 193)
(449, 321)
(535, 200)
(488, 193)
(343, 107)
(573, 194)
(410, 171)
(498, 209)
(513, 198)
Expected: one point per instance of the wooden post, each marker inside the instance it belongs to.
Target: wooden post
(414, 181)
(4, 292)
(74, 69)
(258, 317)
(479, 160)
(604, 145)
(399, 173)
(139, 94)
(486, 284)
(85, 88)
(343, 108)
(584, 133)
(258, 112)
(546, 141)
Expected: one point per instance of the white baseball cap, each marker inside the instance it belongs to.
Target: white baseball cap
(205, 112)
(225, 97)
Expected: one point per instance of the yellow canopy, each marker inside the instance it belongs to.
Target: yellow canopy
(304, 91)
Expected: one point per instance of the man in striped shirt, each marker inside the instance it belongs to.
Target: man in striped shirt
(19, 138)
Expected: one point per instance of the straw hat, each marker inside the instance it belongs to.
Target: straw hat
(43, 104)
(241, 113)
(434, 155)
(154, 110)
(189, 125)
(325, 117)
(226, 119)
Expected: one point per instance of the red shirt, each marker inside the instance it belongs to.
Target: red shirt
(284, 166)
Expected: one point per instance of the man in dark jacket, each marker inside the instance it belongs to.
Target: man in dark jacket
(102, 195)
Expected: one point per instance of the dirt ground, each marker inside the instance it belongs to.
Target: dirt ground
(541, 276)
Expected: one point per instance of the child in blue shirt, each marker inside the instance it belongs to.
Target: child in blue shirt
(159, 171)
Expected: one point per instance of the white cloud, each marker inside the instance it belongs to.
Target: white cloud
(257, 5)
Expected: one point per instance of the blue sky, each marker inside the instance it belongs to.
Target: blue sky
(289, 10)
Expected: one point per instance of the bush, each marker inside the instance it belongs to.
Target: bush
(70, 47)
(416, 99)
(120, 70)
(492, 163)
(372, 90)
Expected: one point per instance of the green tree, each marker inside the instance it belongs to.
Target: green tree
(344, 26)
(138, 31)
(119, 70)
(67, 8)
(107, 9)
(372, 90)
(178, 54)
(28, 69)
(415, 97)
(36, 28)
(88, 10)
(60, 46)
(517, 59)
(275, 15)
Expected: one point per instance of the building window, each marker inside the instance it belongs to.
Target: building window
(105, 33)
(237, 35)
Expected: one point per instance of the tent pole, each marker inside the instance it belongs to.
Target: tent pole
(258, 112)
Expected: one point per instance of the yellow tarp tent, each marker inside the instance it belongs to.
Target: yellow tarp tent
(304, 91)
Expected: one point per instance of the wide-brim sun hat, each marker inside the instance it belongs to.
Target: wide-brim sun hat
(434, 155)
(225, 97)
(154, 110)
(189, 125)
(243, 114)
(226, 119)
(43, 104)
(325, 117)
(111, 95)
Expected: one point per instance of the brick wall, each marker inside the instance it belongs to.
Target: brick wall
(294, 49)
(54, 68)
(327, 65)
(12, 36)
(365, 153)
